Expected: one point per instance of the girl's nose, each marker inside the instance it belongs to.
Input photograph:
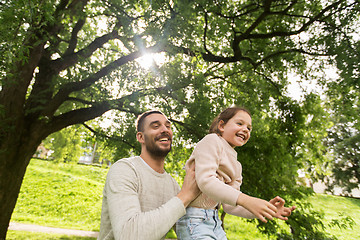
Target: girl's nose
(245, 128)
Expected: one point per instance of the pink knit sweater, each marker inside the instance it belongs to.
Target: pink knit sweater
(217, 171)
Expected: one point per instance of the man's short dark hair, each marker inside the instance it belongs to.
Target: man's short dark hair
(141, 118)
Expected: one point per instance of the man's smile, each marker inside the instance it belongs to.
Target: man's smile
(164, 138)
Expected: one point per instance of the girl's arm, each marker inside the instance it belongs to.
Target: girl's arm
(282, 212)
(207, 156)
(238, 211)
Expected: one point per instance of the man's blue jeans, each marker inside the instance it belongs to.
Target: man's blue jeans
(200, 223)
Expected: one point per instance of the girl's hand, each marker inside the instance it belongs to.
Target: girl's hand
(260, 208)
(282, 212)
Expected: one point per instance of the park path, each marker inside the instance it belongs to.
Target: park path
(37, 228)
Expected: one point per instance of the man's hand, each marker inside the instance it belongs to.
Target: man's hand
(190, 189)
(282, 212)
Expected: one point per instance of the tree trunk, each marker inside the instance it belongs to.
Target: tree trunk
(12, 170)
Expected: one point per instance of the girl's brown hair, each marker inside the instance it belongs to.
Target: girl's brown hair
(225, 116)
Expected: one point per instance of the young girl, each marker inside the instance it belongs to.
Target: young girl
(218, 175)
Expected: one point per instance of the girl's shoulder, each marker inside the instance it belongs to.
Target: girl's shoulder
(211, 137)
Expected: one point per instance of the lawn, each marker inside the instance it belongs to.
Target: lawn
(70, 195)
(336, 207)
(61, 195)
(333, 207)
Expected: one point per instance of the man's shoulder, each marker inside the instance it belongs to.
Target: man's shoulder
(124, 169)
(128, 160)
(125, 163)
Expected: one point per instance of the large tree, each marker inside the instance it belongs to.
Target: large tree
(65, 62)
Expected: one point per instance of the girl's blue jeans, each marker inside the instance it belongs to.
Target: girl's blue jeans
(200, 223)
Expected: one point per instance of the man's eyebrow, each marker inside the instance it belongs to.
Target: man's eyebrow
(154, 122)
(158, 122)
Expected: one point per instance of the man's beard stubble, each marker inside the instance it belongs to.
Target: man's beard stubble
(154, 149)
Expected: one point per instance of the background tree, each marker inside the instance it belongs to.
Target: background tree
(65, 145)
(344, 141)
(65, 62)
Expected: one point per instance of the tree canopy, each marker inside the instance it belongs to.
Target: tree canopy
(65, 62)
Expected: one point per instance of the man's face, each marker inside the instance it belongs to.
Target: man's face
(157, 135)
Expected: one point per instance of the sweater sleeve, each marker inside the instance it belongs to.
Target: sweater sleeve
(127, 219)
(207, 155)
(239, 211)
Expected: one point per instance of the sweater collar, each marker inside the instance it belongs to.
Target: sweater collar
(152, 170)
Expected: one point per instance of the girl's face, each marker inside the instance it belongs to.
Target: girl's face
(237, 130)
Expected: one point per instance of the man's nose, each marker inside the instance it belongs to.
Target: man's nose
(164, 128)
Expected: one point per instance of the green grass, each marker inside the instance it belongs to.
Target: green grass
(70, 196)
(333, 207)
(61, 195)
(238, 228)
(336, 207)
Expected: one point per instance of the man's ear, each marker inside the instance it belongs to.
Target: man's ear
(140, 137)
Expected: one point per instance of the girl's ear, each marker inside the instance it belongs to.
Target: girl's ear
(140, 137)
(221, 125)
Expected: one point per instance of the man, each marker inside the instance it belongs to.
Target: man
(140, 200)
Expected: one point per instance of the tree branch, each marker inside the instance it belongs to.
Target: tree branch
(68, 88)
(60, 7)
(70, 60)
(80, 101)
(73, 40)
(114, 138)
(188, 128)
(97, 109)
(289, 33)
(209, 57)
(246, 10)
(205, 32)
(12, 94)
(278, 53)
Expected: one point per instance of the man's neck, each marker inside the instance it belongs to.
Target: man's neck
(156, 163)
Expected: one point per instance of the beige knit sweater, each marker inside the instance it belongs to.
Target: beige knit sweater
(138, 202)
(218, 175)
